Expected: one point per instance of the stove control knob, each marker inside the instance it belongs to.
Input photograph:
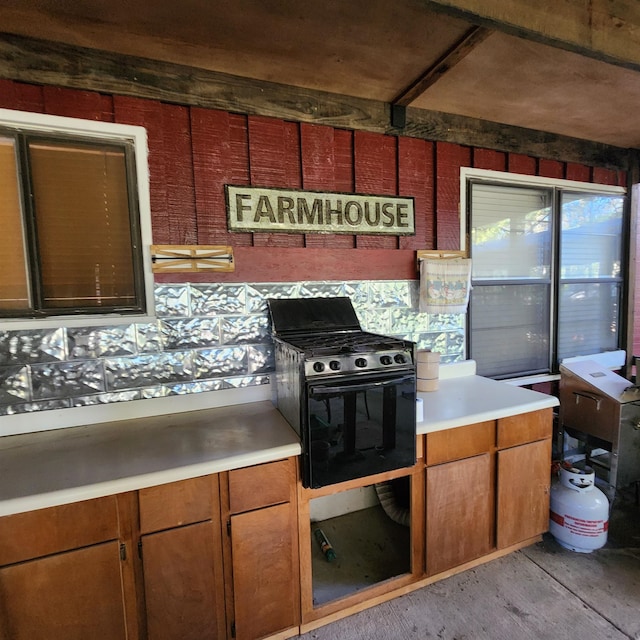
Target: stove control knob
(318, 367)
(386, 359)
(334, 365)
(400, 359)
(360, 363)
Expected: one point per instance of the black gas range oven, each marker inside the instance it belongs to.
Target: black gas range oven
(348, 393)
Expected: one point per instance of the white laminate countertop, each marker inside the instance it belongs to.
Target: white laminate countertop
(469, 399)
(61, 466)
(67, 465)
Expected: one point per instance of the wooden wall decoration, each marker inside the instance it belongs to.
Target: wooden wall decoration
(167, 258)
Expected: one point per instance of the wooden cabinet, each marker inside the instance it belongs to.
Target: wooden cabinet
(218, 556)
(182, 560)
(460, 520)
(524, 481)
(66, 573)
(487, 488)
(263, 558)
(163, 563)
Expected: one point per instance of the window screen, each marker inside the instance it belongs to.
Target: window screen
(590, 283)
(546, 276)
(14, 287)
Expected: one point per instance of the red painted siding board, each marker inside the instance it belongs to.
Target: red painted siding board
(519, 163)
(489, 159)
(415, 179)
(180, 203)
(238, 160)
(21, 96)
(149, 114)
(579, 172)
(375, 163)
(74, 103)
(170, 166)
(321, 149)
(343, 179)
(605, 176)
(317, 146)
(8, 94)
(449, 158)
(220, 156)
(343, 157)
(268, 150)
(550, 168)
(292, 168)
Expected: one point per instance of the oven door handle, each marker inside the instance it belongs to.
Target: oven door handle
(366, 386)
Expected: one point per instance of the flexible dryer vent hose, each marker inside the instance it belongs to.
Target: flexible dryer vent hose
(389, 503)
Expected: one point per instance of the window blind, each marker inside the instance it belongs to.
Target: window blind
(14, 291)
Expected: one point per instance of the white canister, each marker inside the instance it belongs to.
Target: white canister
(579, 511)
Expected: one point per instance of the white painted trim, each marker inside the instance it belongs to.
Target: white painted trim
(526, 380)
(506, 177)
(43, 123)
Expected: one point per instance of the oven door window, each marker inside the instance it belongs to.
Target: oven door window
(359, 426)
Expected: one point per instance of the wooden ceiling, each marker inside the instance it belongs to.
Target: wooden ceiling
(449, 56)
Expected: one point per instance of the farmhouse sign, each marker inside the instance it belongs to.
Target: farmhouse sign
(269, 210)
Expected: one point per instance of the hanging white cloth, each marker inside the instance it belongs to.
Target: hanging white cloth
(445, 285)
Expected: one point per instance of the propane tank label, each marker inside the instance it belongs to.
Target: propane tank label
(580, 526)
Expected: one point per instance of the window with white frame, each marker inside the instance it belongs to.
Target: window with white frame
(547, 277)
(74, 210)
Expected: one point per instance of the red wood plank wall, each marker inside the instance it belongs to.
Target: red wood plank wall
(194, 152)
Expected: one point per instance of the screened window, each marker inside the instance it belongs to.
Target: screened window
(546, 275)
(69, 212)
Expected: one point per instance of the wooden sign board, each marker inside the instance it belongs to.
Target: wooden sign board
(258, 209)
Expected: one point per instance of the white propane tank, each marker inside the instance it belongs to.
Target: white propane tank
(579, 517)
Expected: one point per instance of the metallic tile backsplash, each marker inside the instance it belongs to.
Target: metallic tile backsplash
(206, 337)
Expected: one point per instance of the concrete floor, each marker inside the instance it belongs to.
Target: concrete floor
(543, 592)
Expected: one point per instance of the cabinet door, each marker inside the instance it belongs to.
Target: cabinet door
(74, 595)
(460, 507)
(183, 585)
(524, 480)
(265, 571)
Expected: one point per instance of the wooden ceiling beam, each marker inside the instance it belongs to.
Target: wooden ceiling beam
(469, 41)
(600, 29)
(49, 63)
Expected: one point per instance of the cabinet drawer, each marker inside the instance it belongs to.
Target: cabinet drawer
(460, 442)
(46, 531)
(177, 503)
(261, 486)
(526, 427)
